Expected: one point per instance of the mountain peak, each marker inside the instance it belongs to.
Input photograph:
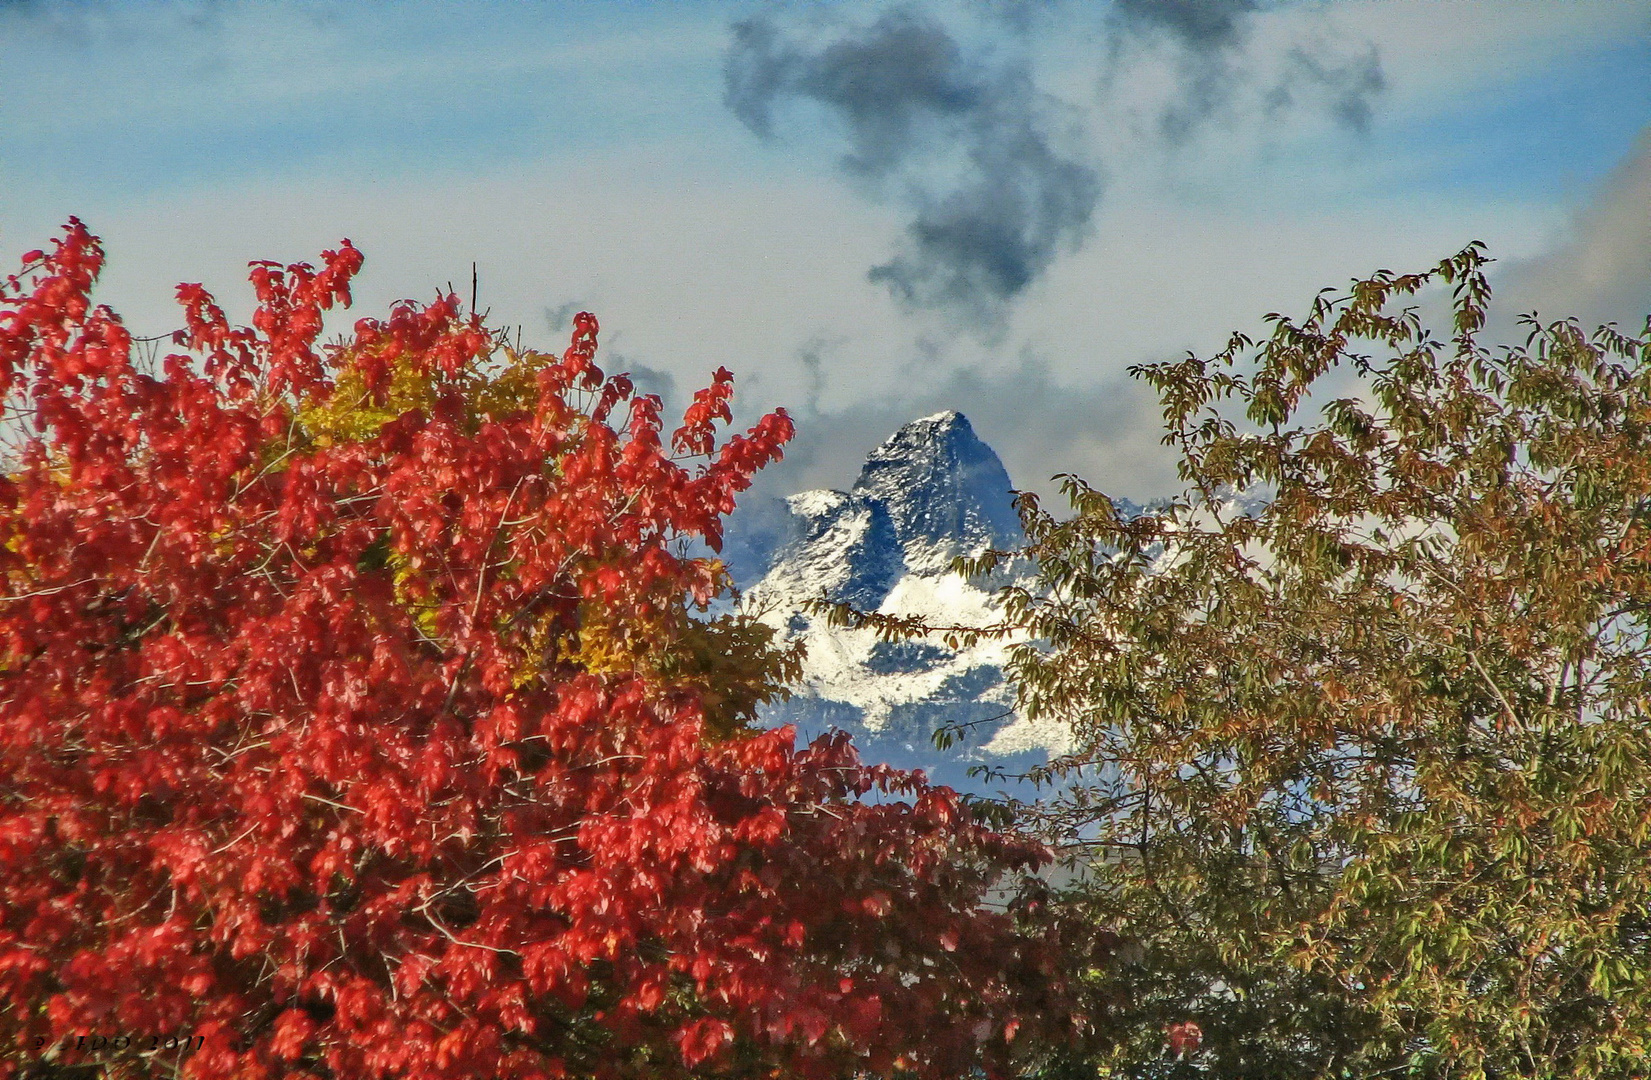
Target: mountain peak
(942, 485)
(931, 492)
(949, 427)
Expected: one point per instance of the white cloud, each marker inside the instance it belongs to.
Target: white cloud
(1600, 271)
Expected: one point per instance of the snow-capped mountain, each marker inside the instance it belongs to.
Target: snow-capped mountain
(932, 492)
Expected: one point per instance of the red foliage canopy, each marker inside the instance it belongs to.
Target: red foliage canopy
(352, 719)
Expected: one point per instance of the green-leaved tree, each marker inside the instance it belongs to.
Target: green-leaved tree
(1369, 766)
(1365, 762)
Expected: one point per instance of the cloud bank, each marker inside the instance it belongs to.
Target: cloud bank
(1000, 175)
(1602, 271)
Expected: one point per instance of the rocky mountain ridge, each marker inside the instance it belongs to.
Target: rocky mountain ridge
(931, 492)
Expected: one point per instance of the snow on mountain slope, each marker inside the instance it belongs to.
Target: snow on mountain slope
(932, 492)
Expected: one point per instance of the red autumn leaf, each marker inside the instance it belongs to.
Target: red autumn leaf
(1185, 1037)
(356, 719)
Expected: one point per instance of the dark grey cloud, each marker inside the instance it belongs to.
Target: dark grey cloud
(1348, 87)
(1204, 25)
(988, 240)
(965, 143)
(1212, 36)
(559, 319)
(889, 81)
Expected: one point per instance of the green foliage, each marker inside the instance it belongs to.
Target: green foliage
(1366, 771)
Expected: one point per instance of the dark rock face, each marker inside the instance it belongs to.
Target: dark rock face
(849, 543)
(888, 657)
(942, 485)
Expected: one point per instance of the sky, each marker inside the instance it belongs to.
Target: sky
(869, 211)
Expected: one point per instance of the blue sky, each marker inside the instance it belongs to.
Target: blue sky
(868, 210)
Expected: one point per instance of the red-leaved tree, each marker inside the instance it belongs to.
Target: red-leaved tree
(355, 721)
